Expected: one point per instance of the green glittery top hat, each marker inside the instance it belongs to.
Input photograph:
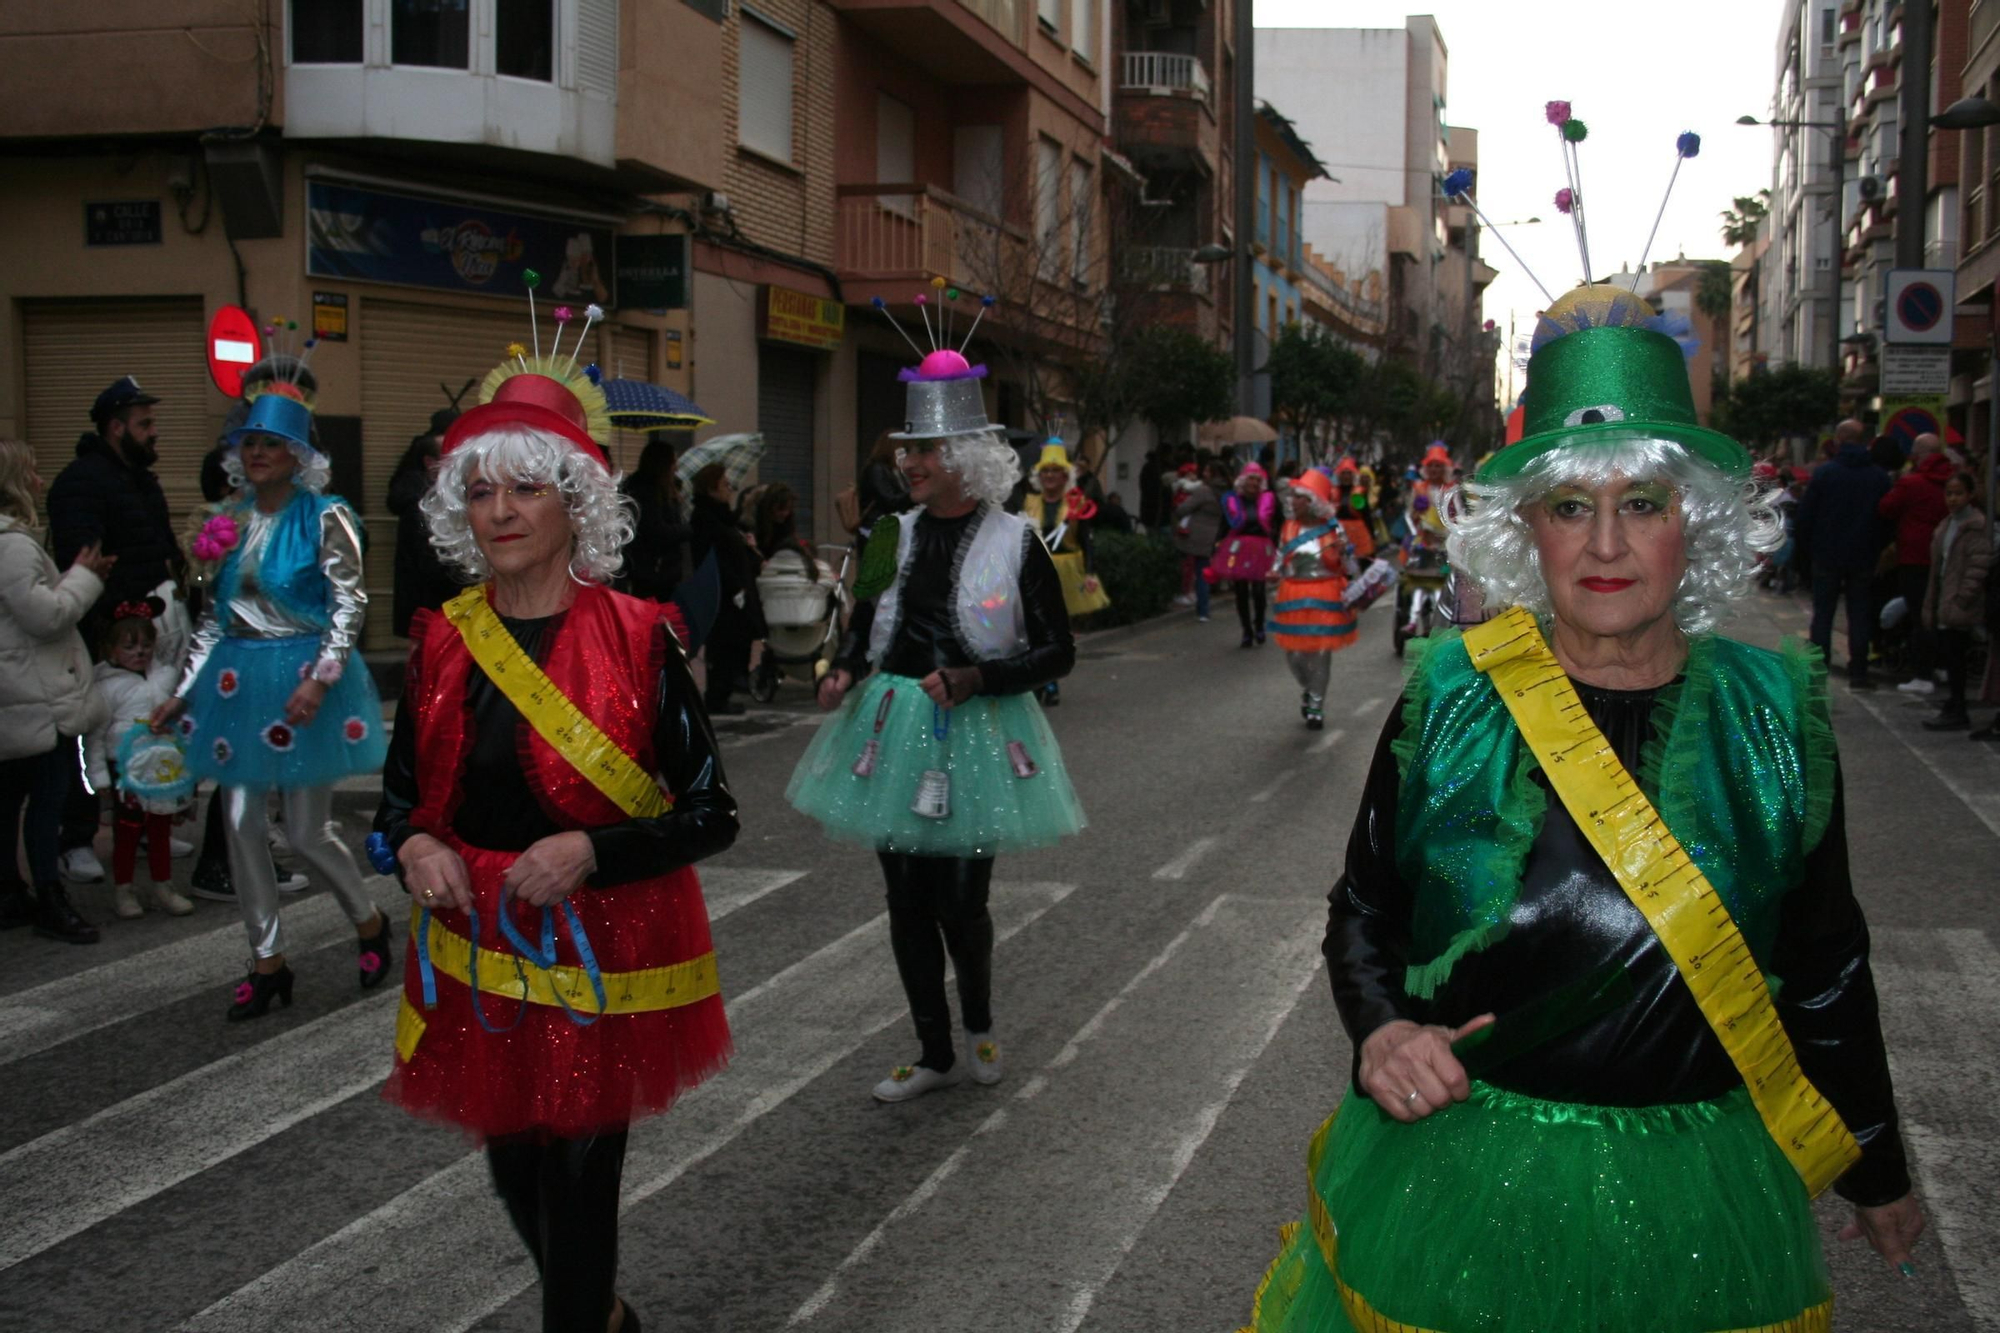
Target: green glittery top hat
(1602, 372)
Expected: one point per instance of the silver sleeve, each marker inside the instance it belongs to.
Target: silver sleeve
(207, 633)
(340, 561)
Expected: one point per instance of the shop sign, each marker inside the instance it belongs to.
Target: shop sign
(803, 320)
(442, 244)
(652, 272)
(122, 222)
(330, 316)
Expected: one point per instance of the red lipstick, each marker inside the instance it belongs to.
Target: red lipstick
(1606, 585)
(510, 537)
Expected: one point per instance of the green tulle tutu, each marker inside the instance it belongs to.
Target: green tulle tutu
(992, 808)
(1509, 1214)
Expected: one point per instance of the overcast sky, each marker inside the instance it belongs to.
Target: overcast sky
(1636, 74)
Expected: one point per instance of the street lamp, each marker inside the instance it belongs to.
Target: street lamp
(1838, 132)
(1974, 113)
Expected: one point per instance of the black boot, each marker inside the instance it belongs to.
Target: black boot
(17, 905)
(376, 960)
(253, 995)
(55, 919)
(211, 881)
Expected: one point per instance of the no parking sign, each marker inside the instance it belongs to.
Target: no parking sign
(1903, 419)
(1917, 305)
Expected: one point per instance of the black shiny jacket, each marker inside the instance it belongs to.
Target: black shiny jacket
(1572, 920)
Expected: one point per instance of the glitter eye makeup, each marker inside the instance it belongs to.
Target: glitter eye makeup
(1657, 499)
(1569, 502)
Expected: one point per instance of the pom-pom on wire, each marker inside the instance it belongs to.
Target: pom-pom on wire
(1458, 185)
(1557, 112)
(1458, 182)
(1575, 130)
(1565, 199)
(1689, 144)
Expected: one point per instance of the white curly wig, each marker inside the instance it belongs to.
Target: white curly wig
(313, 471)
(603, 519)
(984, 462)
(1730, 520)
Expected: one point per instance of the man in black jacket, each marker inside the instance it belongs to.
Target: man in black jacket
(109, 495)
(1838, 529)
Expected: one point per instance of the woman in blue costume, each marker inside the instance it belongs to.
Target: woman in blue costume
(275, 696)
(940, 757)
(1596, 945)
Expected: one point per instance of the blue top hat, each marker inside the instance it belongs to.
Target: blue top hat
(276, 414)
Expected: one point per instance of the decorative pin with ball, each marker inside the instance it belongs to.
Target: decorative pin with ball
(942, 361)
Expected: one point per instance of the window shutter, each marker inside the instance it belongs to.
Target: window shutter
(764, 95)
(597, 47)
(1083, 28)
(1050, 13)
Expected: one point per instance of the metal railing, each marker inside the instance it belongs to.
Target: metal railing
(1162, 268)
(1164, 72)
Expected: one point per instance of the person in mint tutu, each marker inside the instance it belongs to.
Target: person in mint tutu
(940, 758)
(1596, 944)
(275, 696)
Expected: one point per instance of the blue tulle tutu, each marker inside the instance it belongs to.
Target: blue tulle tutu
(990, 742)
(235, 727)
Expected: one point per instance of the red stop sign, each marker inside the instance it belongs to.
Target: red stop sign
(233, 347)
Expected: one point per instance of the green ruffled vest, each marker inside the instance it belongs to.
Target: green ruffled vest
(1740, 767)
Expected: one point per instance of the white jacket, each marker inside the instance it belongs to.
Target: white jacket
(126, 697)
(45, 689)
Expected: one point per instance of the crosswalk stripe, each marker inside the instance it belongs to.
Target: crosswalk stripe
(63, 1010)
(75, 1177)
(1225, 1018)
(1930, 982)
(790, 1030)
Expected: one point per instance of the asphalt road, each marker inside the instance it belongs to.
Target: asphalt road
(1169, 1037)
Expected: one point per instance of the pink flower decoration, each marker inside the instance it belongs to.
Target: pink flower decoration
(1565, 199)
(1558, 112)
(244, 992)
(216, 538)
(563, 314)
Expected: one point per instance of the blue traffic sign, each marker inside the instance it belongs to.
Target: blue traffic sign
(1920, 306)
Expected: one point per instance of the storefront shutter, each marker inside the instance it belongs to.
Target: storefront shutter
(73, 349)
(407, 350)
(785, 381)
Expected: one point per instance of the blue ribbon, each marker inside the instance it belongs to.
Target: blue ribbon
(1309, 535)
(542, 957)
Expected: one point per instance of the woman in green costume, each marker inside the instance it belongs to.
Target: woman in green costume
(1587, 1097)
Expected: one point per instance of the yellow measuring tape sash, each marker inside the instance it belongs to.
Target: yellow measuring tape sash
(640, 991)
(549, 711)
(1664, 883)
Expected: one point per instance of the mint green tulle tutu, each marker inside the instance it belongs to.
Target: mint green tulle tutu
(992, 807)
(1509, 1214)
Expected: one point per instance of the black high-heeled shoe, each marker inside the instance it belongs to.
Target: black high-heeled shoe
(253, 995)
(376, 960)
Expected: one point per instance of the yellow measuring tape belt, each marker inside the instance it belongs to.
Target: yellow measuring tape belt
(1664, 883)
(549, 711)
(637, 992)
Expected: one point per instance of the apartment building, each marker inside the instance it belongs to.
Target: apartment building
(1804, 223)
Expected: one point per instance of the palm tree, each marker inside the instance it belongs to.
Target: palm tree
(1740, 221)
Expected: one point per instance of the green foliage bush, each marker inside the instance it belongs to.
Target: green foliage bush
(1141, 575)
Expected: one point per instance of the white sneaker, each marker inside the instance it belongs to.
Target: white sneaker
(908, 1081)
(1916, 686)
(125, 903)
(79, 865)
(293, 883)
(164, 899)
(982, 1053)
(181, 848)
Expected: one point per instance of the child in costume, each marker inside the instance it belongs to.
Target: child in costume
(1063, 517)
(146, 773)
(274, 697)
(939, 757)
(1316, 560)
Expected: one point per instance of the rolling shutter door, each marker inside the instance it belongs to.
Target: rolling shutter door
(785, 381)
(407, 350)
(72, 350)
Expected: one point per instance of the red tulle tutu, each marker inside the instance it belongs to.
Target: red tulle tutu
(549, 1076)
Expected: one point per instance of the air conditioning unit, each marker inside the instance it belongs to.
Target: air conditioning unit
(1870, 187)
(714, 201)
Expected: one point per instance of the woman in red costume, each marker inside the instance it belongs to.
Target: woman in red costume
(551, 782)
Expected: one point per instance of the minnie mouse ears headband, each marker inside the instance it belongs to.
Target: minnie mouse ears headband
(146, 608)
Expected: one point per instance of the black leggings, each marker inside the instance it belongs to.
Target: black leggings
(937, 904)
(1247, 591)
(562, 1197)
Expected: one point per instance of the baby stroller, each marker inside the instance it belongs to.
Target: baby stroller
(804, 616)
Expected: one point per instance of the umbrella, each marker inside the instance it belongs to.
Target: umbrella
(641, 406)
(737, 453)
(1237, 430)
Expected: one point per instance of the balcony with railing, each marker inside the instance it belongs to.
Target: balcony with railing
(1166, 112)
(1164, 74)
(1163, 268)
(911, 233)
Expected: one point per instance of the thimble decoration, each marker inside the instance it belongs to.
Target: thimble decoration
(1017, 755)
(943, 394)
(933, 799)
(864, 766)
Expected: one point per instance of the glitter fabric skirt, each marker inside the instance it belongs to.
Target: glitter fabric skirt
(235, 727)
(993, 801)
(545, 1075)
(1509, 1214)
